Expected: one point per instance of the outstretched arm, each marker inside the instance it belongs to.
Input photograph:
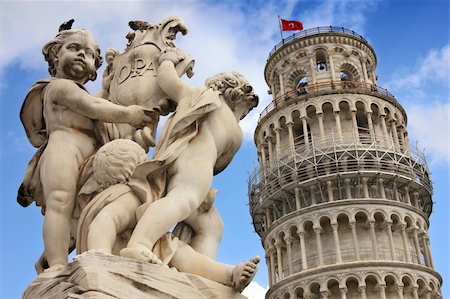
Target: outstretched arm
(67, 93)
(168, 78)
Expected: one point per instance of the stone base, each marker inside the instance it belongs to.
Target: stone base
(101, 276)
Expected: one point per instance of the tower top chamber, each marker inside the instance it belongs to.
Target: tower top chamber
(338, 189)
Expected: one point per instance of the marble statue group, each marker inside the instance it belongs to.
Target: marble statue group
(91, 175)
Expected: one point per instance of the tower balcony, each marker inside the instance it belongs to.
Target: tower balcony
(316, 31)
(306, 91)
(347, 167)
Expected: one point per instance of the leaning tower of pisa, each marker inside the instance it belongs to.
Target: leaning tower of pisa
(340, 199)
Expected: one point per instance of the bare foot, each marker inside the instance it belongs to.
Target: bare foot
(243, 273)
(55, 268)
(141, 253)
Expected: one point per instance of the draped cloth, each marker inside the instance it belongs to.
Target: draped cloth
(149, 181)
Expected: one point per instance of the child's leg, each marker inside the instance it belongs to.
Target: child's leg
(187, 189)
(58, 177)
(208, 227)
(188, 260)
(112, 220)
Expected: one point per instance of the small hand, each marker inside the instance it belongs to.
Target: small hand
(172, 54)
(140, 116)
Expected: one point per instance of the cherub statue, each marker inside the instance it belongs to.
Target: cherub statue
(58, 115)
(198, 141)
(105, 222)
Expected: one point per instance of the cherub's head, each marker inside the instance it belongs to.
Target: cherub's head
(115, 162)
(73, 54)
(236, 90)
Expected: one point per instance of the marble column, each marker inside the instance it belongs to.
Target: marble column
(348, 193)
(362, 291)
(291, 136)
(321, 128)
(269, 271)
(417, 246)
(370, 124)
(272, 265)
(381, 188)
(317, 231)
(391, 240)
(430, 257)
(289, 254)
(355, 239)
(298, 203)
(343, 292)
(400, 292)
(270, 146)
(373, 238)
(305, 131)
(278, 141)
(415, 292)
(301, 235)
(280, 78)
(385, 131)
(279, 260)
(403, 145)
(273, 91)
(405, 242)
(365, 187)
(382, 290)
(330, 191)
(355, 125)
(408, 198)
(364, 69)
(337, 246)
(395, 134)
(263, 155)
(337, 120)
(426, 254)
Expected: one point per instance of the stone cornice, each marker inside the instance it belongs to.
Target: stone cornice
(295, 216)
(360, 266)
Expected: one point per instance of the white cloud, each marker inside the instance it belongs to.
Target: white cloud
(434, 67)
(430, 124)
(255, 291)
(222, 36)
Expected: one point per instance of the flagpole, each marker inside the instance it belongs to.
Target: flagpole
(281, 31)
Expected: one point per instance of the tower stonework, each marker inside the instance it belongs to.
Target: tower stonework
(340, 200)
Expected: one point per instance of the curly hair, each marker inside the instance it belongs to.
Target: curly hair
(115, 162)
(51, 49)
(234, 87)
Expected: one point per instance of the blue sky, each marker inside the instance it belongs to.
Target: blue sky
(411, 39)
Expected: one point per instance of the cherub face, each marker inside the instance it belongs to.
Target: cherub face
(76, 58)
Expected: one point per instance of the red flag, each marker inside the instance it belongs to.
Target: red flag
(291, 25)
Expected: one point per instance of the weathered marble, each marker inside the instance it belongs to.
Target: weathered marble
(100, 276)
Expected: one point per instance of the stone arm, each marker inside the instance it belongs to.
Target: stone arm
(170, 82)
(68, 93)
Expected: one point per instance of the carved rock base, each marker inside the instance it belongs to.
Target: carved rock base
(101, 276)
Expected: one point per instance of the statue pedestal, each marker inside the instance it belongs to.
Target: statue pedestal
(97, 275)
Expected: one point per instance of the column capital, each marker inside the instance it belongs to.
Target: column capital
(289, 123)
(287, 239)
(343, 290)
(382, 287)
(317, 229)
(362, 289)
(334, 225)
(277, 244)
